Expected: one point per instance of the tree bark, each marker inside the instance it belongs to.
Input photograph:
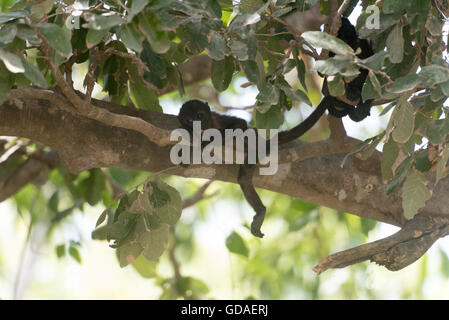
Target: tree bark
(83, 144)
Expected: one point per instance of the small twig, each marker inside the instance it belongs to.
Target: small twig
(26, 244)
(272, 34)
(117, 190)
(198, 196)
(31, 93)
(141, 66)
(237, 108)
(343, 7)
(89, 81)
(174, 262)
(65, 213)
(69, 68)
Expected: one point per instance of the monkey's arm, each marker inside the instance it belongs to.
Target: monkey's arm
(222, 122)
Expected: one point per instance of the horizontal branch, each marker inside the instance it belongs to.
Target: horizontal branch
(84, 143)
(396, 251)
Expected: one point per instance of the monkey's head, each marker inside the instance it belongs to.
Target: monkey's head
(195, 110)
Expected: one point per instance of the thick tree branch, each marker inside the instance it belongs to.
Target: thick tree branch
(84, 143)
(396, 251)
(310, 171)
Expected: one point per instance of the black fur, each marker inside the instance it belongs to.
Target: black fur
(195, 110)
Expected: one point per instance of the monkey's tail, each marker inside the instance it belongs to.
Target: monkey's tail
(303, 127)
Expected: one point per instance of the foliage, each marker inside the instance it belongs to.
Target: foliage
(136, 49)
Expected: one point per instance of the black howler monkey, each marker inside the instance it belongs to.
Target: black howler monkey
(195, 110)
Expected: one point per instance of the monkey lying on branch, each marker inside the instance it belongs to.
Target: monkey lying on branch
(195, 110)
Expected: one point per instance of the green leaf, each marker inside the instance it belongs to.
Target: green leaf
(158, 197)
(404, 84)
(141, 204)
(251, 70)
(131, 38)
(54, 201)
(235, 244)
(395, 44)
(146, 268)
(375, 83)
(128, 253)
(158, 71)
(167, 202)
(239, 49)
(100, 233)
(268, 95)
(102, 218)
(368, 151)
(300, 68)
(136, 7)
(12, 62)
(394, 6)
(154, 242)
(101, 22)
(217, 46)
(437, 131)
(294, 95)
(390, 153)
(400, 174)
(60, 251)
(118, 230)
(57, 38)
(75, 254)
(422, 162)
(159, 40)
(433, 74)
(40, 9)
(434, 25)
(93, 186)
(34, 75)
(323, 40)
(9, 16)
(8, 33)
(144, 98)
(27, 33)
(367, 31)
(367, 225)
(404, 121)
(94, 37)
(336, 86)
(221, 73)
(271, 119)
(151, 222)
(368, 90)
(196, 36)
(375, 62)
(414, 194)
(387, 109)
(333, 65)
